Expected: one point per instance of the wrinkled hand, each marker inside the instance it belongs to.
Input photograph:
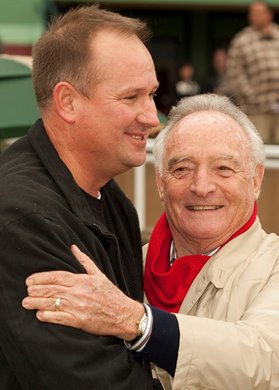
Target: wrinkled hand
(90, 302)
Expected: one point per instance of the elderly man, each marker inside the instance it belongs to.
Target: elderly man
(209, 263)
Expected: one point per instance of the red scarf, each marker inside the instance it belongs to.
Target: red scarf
(166, 286)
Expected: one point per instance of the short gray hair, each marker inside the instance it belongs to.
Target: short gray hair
(209, 102)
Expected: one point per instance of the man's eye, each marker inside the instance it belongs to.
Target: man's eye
(225, 171)
(180, 172)
(132, 97)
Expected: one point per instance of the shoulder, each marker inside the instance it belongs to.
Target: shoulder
(275, 30)
(26, 186)
(116, 198)
(243, 36)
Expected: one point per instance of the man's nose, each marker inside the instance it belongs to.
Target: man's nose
(202, 183)
(148, 115)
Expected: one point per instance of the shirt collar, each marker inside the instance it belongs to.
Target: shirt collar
(173, 255)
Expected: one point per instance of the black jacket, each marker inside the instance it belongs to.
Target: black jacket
(43, 212)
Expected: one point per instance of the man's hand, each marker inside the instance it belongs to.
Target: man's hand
(90, 302)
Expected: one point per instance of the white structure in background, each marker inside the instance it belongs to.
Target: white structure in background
(26, 60)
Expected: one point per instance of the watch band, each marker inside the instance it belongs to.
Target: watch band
(142, 325)
(139, 343)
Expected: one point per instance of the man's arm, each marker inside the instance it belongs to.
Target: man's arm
(211, 352)
(92, 303)
(49, 356)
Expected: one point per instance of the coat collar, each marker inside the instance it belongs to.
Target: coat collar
(59, 172)
(236, 251)
(219, 268)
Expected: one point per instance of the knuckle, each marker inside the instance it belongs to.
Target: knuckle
(83, 318)
(56, 277)
(60, 318)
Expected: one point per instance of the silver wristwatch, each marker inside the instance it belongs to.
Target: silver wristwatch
(142, 325)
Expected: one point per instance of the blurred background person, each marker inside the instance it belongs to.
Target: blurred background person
(186, 84)
(253, 70)
(217, 82)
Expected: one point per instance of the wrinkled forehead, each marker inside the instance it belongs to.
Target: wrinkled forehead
(207, 129)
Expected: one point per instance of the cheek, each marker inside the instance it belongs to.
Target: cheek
(243, 199)
(113, 115)
(175, 194)
(122, 116)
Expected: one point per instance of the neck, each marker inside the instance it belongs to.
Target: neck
(190, 249)
(174, 254)
(79, 163)
(265, 29)
(186, 245)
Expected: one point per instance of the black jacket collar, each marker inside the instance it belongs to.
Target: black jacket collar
(59, 171)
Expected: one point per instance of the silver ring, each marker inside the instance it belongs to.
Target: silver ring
(57, 304)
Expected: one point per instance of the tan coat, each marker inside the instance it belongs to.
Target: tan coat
(229, 337)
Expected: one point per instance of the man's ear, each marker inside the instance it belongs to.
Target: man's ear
(258, 177)
(64, 95)
(160, 185)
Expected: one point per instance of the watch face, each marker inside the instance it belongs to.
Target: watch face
(143, 325)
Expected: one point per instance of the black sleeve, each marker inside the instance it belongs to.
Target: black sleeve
(162, 347)
(47, 356)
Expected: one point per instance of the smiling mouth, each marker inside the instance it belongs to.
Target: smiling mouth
(203, 208)
(138, 137)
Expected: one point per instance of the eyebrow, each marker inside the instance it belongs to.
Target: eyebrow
(228, 157)
(176, 160)
(138, 90)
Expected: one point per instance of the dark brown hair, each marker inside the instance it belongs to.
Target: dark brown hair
(63, 52)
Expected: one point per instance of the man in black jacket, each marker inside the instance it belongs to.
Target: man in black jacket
(94, 81)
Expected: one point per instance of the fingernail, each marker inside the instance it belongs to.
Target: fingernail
(29, 281)
(75, 248)
(26, 303)
(40, 316)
